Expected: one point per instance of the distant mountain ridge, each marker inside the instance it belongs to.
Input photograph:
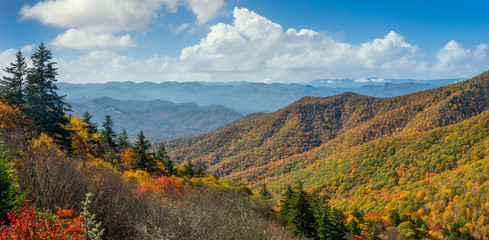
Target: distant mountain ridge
(245, 97)
(160, 120)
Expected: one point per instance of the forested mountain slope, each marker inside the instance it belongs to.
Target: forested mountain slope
(424, 153)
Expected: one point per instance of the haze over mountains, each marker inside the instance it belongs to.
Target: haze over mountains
(160, 120)
(245, 97)
(414, 152)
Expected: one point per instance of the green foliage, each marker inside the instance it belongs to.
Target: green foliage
(297, 212)
(264, 192)
(11, 88)
(142, 159)
(189, 168)
(162, 156)
(408, 229)
(8, 189)
(92, 127)
(108, 133)
(123, 139)
(331, 223)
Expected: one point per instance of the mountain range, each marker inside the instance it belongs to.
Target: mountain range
(424, 154)
(159, 120)
(244, 97)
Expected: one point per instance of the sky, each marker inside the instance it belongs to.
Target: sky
(249, 40)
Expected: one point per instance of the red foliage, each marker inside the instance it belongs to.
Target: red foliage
(24, 224)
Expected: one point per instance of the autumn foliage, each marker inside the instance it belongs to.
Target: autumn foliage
(10, 117)
(167, 186)
(26, 224)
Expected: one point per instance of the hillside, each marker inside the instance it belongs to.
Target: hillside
(160, 120)
(423, 153)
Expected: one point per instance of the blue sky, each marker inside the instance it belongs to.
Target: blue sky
(249, 40)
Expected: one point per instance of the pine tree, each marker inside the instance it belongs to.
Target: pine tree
(201, 170)
(331, 223)
(108, 133)
(264, 192)
(162, 156)
(123, 139)
(7, 188)
(188, 168)
(285, 205)
(11, 88)
(91, 126)
(301, 217)
(42, 104)
(142, 159)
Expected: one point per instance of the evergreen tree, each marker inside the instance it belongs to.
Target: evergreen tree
(42, 104)
(201, 169)
(331, 224)
(285, 205)
(395, 218)
(108, 133)
(123, 139)
(91, 126)
(7, 188)
(11, 88)
(162, 156)
(188, 168)
(142, 159)
(264, 192)
(301, 217)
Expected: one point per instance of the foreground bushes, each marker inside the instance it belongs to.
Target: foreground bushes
(128, 212)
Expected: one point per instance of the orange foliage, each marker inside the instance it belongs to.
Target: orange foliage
(10, 117)
(167, 186)
(24, 224)
(125, 157)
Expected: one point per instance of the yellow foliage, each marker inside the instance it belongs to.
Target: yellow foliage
(43, 141)
(141, 177)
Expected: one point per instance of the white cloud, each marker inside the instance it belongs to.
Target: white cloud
(362, 80)
(92, 23)
(6, 57)
(254, 48)
(205, 10)
(258, 46)
(465, 62)
(79, 39)
(94, 15)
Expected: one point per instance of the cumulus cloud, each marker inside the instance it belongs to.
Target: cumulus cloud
(79, 39)
(94, 22)
(362, 80)
(455, 58)
(254, 44)
(205, 10)
(254, 48)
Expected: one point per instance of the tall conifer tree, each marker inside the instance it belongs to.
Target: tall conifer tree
(142, 159)
(11, 87)
(42, 103)
(108, 133)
